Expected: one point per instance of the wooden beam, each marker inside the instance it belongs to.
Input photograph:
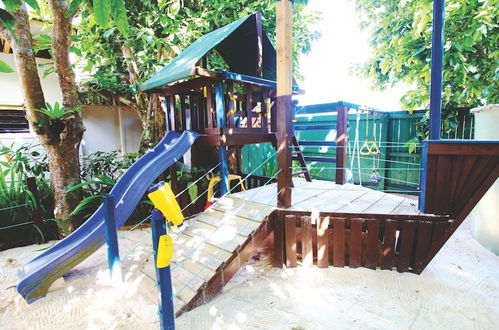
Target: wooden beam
(460, 149)
(185, 86)
(284, 91)
(341, 143)
(236, 140)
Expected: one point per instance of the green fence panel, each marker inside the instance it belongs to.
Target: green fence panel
(397, 164)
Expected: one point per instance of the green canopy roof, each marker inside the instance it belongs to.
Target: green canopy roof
(237, 45)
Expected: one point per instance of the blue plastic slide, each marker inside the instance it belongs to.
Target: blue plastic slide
(38, 274)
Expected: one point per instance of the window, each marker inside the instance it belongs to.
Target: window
(13, 121)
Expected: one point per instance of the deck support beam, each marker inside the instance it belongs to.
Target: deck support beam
(284, 92)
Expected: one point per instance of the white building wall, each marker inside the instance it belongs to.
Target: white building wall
(107, 127)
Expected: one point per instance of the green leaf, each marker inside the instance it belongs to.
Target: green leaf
(118, 10)
(102, 12)
(33, 4)
(86, 202)
(12, 4)
(7, 20)
(75, 4)
(84, 184)
(5, 68)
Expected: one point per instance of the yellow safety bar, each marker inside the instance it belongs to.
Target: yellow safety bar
(163, 198)
(215, 179)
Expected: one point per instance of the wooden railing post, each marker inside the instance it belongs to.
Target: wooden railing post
(341, 143)
(277, 219)
(284, 91)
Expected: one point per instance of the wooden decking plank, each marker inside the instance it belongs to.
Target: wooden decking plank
(316, 201)
(225, 238)
(342, 199)
(184, 244)
(217, 218)
(242, 226)
(243, 208)
(386, 205)
(201, 271)
(362, 202)
(182, 276)
(408, 206)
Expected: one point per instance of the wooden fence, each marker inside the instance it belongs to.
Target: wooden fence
(393, 242)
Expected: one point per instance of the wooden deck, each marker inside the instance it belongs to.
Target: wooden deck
(326, 196)
(212, 246)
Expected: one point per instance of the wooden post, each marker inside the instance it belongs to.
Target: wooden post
(167, 112)
(222, 150)
(249, 106)
(284, 89)
(341, 143)
(37, 213)
(209, 107)
(163, 275)
(113, 252)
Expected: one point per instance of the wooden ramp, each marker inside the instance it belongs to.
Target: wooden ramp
(210, 248)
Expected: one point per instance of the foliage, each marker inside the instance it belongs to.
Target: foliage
(400, 35)
(101, 171)
(5, 68)
(57, 111)
(17, 202)
(156, 39)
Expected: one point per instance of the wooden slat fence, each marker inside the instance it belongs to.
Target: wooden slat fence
(392, 242)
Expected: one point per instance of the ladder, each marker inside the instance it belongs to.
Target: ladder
(298, 155)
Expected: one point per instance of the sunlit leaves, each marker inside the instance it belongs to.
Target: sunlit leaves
(5, 68)
(400, 35)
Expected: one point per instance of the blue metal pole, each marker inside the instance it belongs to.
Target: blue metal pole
(163, 275)
(437, 55)
(113, 252)
(222, 150)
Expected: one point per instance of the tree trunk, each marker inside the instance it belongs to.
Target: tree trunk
(61, 137)
(64, 152)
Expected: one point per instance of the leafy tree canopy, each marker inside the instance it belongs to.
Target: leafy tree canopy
(157, 31)
(400, 36)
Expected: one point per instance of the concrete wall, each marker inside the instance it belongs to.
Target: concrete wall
(10, 86)
(485, 215)
(110, 128)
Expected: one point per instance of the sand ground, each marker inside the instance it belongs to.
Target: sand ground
(459, 290)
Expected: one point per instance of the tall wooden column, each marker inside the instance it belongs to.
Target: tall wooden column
(284, 89)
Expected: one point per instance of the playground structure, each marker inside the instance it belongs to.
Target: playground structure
(334, 224)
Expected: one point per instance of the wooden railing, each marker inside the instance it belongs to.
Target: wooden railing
(400, 242)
